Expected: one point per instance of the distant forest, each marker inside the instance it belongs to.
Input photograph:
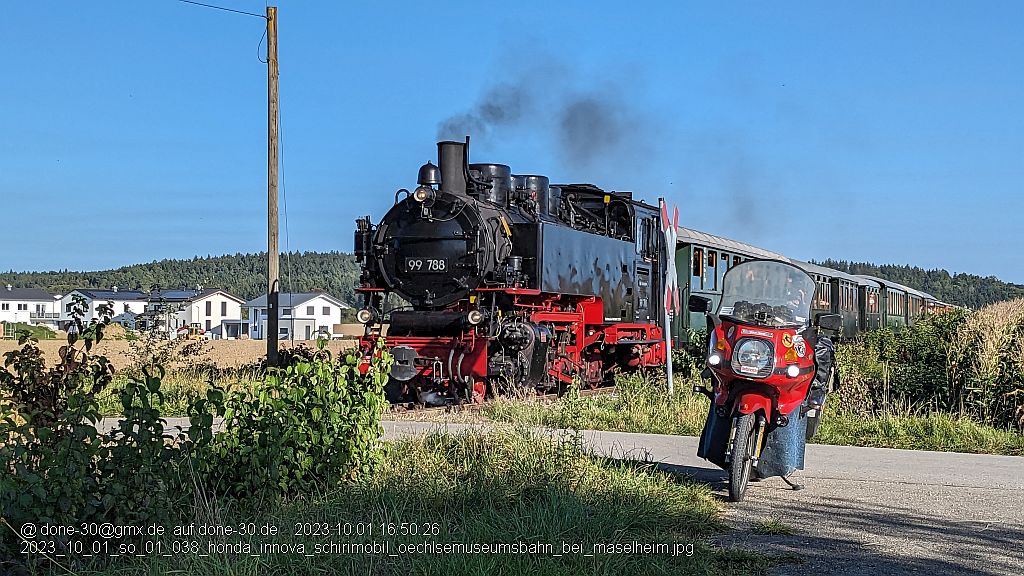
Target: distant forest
(961, 289)
(337, 273)
(244, 275)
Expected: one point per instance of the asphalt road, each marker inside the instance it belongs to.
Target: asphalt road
(863, 511)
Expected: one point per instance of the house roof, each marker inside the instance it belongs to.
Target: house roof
(112, 294)
(292, 299)
(31, 294)
(189, 295)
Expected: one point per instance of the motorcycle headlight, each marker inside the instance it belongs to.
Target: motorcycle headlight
(754, 357)
(714, 360)
(793, 371)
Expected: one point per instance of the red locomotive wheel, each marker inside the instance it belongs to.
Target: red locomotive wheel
(479, 391)
(563, 371)
(595, 374)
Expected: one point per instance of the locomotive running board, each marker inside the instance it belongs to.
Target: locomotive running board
(637, 342)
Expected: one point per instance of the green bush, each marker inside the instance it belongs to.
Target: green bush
(305, 427)
(313, 423)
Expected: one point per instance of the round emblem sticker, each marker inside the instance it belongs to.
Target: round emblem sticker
(787, 340)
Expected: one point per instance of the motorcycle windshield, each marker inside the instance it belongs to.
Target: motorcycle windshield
(767, 293)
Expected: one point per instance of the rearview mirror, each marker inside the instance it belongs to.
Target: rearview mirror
(829, 322)
(699, 304)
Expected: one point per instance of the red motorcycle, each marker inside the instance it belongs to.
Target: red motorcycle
(770, 367)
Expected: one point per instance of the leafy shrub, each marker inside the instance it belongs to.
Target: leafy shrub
(688, 357)
(309, 425)
(313, 423)
(55, 466)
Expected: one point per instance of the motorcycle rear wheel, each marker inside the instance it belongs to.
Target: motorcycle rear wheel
(741, 465)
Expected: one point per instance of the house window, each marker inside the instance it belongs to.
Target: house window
(223, 308)
(209, 308)
(327, 310)
(6, 306)
(286, 312)
(208, 324)
(309, 311)
(283, 332)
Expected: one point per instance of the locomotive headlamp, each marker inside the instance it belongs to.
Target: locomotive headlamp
(714, 360)
(366, 316)
(793, 371)
(423, 193)
(475, 317)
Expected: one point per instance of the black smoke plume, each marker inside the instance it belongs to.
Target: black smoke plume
(589, 125)
(501, 105)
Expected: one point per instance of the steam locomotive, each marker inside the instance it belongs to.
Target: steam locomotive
(505, 282)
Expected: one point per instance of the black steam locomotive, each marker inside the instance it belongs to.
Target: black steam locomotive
(509, 282)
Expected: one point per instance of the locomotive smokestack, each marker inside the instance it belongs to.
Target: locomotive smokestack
(452, 159)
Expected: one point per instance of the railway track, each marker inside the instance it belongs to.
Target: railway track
(473, 407)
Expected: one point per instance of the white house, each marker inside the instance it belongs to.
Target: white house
(302, 315)
(121, 301)
(216, 312)
(28, 306)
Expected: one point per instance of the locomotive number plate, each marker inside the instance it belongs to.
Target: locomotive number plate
(426, 265)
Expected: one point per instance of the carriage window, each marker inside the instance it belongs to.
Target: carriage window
(697, 268)
(823, 293)
(723, 267)
(712, 276)
(736, 260)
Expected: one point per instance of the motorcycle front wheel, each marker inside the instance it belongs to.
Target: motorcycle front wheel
(744, 446)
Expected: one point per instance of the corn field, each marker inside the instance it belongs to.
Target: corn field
(966, 363)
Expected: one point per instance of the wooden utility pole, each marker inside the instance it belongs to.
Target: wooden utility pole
(273, 254)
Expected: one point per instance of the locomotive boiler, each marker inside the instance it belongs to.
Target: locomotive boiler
(505, 282)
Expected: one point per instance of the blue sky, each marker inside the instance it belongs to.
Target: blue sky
(880, 131)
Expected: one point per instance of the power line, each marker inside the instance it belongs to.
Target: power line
(224, 9)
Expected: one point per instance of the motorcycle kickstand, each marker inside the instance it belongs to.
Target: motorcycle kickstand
(792, 484)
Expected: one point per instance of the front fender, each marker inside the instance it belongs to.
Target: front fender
(751, 402)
